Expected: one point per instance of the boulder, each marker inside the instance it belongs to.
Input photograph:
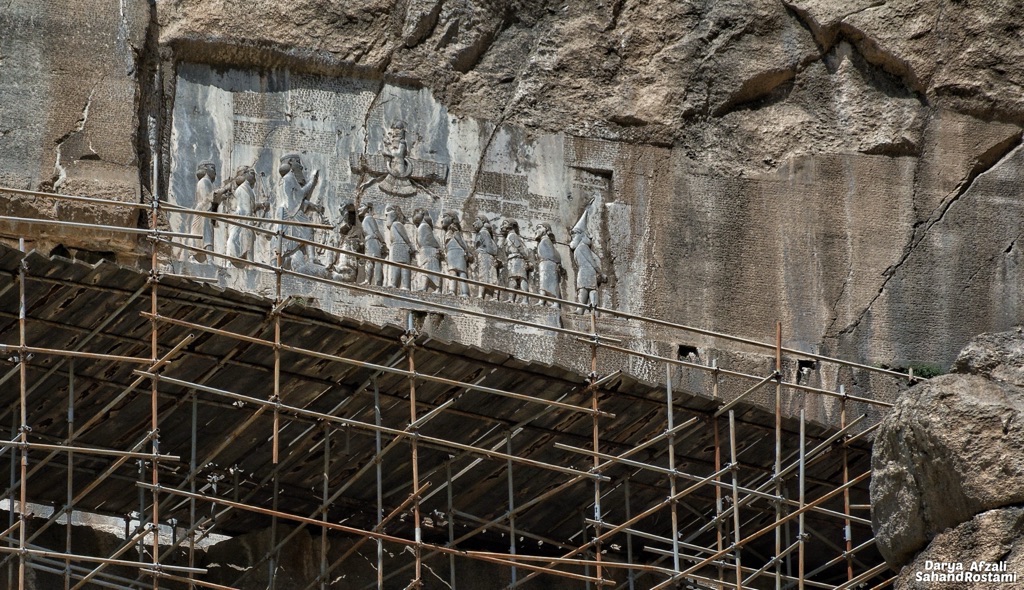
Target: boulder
(984, 546)
(951, 448)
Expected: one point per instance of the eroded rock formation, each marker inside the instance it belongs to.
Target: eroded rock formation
(850, 169)
(950, 457)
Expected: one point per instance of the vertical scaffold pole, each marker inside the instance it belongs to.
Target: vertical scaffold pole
(410, 338)
(778, 454)
(511, 506)
(154, 401)
(192, 489)
(669, 413)
(23, 428)
(598, 518)
(451, 523)
(324, 504)
(377, 419)
(10, 498)
(629, 538)
(801, 534)
(68, 508)
(735, 468)
(847, 529)
(719, 525)
(278, 300)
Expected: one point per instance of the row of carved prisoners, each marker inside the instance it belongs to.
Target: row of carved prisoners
(500, 257)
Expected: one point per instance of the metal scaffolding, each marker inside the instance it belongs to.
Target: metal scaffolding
(198, 411)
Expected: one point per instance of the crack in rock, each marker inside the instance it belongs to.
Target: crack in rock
(985, 163)
(59, 172)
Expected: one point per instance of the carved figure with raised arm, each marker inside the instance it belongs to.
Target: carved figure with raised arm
(295, 204)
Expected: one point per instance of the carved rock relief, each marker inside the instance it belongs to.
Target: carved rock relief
(380, 174)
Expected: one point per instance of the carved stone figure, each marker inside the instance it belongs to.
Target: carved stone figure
(295, 204)
(374, 245)
(517, 256)
(348, 236)
(396, 150)
(588, 265)
(487, 262)
(393, 169)
(241, 240)
(457, 254)
(206, 200)
(549, 263)
(401, 247)
(428, 251)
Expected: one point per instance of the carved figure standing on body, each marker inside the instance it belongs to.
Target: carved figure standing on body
(457, 253)
(374, 245)
(396, 150)
(241, 239)
(401, 247)
(517, 259)
(295, 204)
(588, 265)
(428, 251)
(348, 237)
(487, 262)
(549, 263)
(207, 199)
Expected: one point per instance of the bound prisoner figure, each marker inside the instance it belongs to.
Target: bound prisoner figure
(428, 251)
(401, 247)
(374, 245)
(588, 265)
(241, 239)
(348, 237)
(517, 265)
(549, 263)
(295, 204)
(207, 199)
(487, 262)
(457, 254)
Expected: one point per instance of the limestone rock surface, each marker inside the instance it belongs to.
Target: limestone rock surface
(994, 537)
(953, 447)
(69, 103)
(827, 164)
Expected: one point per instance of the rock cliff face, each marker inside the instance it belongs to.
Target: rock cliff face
(948, 465)
(850, 169)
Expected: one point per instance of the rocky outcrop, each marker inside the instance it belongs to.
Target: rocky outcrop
(69, 102)
(952, 448)
(824, 164)
(990, 547)
(846, 168)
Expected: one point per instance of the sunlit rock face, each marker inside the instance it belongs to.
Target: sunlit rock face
(849, 171)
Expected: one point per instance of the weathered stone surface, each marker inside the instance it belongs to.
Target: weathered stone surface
(999, 357)
(850, 169)
(991, 539)
(69, 96)
(951, 448)
(805, 161)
